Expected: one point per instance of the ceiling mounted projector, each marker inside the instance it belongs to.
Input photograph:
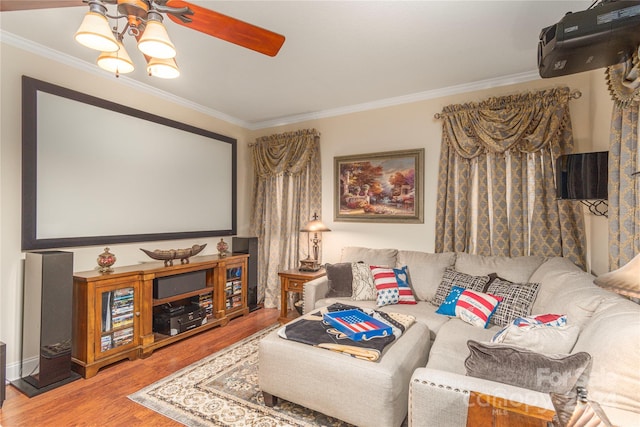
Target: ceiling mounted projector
(603, 35)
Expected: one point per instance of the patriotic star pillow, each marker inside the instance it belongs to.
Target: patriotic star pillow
(392, 286)
(448, 307)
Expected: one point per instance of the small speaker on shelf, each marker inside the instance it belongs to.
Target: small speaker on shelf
(249, 245)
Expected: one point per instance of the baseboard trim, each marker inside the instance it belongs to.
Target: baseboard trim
(13, 369)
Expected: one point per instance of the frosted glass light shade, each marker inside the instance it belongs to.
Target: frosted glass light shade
(163, 68)
(155, 41)
(117, 62)
(94, 33)
(314, 226)
(625, 280)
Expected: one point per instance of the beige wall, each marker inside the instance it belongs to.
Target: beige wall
(413, 126)
(400, 127)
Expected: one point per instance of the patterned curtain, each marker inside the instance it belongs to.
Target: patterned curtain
(624, 177)
(496, 183)
(286, 193)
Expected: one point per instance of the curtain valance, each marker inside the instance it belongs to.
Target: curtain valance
(286, 153)
(623, 81)
(287, 190)
(523, 122)
(496, 189)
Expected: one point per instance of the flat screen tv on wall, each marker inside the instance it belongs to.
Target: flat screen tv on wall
(95, 172)
(582, 176)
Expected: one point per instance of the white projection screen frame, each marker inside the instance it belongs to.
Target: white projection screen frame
(95, 172)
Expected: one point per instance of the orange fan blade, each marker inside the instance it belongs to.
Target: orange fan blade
(229, 29)
(6, 5)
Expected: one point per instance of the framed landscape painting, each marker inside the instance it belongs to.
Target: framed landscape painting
(380, 187)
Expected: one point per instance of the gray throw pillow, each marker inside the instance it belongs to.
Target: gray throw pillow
(451, 278)
(526, 369)
(340, 279)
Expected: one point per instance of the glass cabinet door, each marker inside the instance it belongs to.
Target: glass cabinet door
(118, 323)
(233, 288)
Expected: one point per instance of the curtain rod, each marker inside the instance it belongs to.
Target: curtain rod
(576, 94)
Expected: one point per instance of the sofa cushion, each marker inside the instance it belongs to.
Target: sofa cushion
(452, 278)
(423, 312)
(381, 257)
(524, 368)
(517, 269)
(425, 271)
(340, 279)
(450, 350)
(565, 288)
(612, 337)
(517, 300)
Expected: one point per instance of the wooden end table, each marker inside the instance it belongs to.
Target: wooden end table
(293, 281)
(486, 410)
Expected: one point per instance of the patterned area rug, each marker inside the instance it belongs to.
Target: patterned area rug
(222, 390)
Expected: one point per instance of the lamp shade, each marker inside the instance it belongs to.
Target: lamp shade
(117, 62)
(625, 280)
(163, 68)
(94, 33)
(314, 226)
(155, 41)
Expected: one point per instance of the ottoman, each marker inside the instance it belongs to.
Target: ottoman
(357, 391)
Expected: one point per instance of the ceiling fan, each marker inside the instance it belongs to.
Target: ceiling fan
(139, 12)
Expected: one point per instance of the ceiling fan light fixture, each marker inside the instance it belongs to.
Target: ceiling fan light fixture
(155, 40)
(163, 68)
(144, 23)
(117, 62)
(94, 33)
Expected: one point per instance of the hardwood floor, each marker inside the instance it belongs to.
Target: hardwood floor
(102, 400)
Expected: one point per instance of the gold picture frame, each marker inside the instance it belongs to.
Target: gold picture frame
(380, 187)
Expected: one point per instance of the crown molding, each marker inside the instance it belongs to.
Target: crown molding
(399, 100)
(71, 61)
(38, 49)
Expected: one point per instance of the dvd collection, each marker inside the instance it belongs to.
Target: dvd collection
(205, 301)
(117, 318)
(233, 291)
(233, 288)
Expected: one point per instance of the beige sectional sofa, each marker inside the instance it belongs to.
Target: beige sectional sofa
(439, 392)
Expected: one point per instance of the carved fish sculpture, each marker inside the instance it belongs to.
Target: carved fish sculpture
(169, 255)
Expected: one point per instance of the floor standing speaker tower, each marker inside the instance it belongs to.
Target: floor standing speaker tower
(47, 306)
(249, 245)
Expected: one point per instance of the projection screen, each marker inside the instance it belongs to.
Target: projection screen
(96, 172)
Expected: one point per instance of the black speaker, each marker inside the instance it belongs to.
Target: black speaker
(249, 245)
(164, 287)
(47, 305)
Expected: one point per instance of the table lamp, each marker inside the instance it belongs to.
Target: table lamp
(315, 226)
